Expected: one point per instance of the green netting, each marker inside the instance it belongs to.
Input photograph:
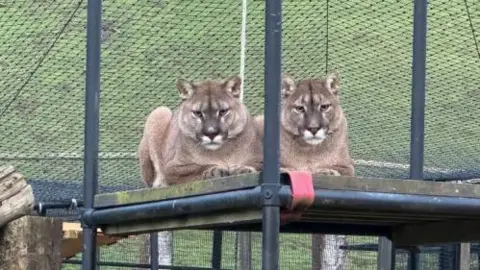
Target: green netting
(147, 45)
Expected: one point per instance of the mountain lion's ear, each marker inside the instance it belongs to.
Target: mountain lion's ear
(233, 85)
(288, 85)
(332, 82)
(185, 88)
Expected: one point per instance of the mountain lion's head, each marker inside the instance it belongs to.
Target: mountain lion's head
(211, 111)
(311, 108)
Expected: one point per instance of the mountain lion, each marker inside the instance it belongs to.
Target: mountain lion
(313, 137)
(211, 134)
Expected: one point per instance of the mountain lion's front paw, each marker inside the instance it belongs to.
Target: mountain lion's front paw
(240, 169)
(327, 172)
(215, 172)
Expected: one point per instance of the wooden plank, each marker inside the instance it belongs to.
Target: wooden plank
(182, 223)
(437, 233)
(72, 242)
(74, 230)
(412, 187)
(202, 187)
(182, 190)
(31, 242)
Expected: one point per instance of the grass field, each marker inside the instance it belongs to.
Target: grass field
(147, 45)
(294, 253)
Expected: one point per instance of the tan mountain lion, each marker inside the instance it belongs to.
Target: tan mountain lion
(314, 137)
(211, 134)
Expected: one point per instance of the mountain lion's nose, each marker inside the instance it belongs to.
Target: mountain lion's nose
(211, 133)
(313, 130)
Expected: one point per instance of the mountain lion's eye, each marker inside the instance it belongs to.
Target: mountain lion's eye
(197, 113)
(300, 109)
(223, 112)
(325, 106)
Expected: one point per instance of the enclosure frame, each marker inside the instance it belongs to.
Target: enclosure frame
(271, 187)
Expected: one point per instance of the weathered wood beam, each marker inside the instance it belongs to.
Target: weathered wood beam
(31, 243)
(397, 186)
(176, 191)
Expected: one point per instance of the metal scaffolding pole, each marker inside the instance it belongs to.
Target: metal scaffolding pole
(92, 111)
(417, 127)
(271, 151)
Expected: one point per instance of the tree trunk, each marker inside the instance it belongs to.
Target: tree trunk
(31, 243)
(326, 252)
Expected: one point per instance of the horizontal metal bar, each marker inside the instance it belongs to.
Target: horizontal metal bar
(42, 207)
(316, 227)
(239, 199)
(375, 201)
(143, 265)
(427, 249)
(57, 205)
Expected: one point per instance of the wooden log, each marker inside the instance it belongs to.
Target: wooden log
(31, 243)
(16, 196)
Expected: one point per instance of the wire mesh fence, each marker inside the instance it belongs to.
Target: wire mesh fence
(147, 45)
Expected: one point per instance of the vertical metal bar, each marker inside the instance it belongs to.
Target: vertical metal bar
(92, 111)
(217, 249)
(154, 251)
(271, 150)
(456, 257)
(413, 260)
(386, 254)
(417, 123)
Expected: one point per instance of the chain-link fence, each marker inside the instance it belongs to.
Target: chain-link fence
(147, 45)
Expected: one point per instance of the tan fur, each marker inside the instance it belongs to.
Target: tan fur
(173, 148)
(332, 155)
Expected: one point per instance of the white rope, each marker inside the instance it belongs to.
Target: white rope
(243, 45)
(242, 247)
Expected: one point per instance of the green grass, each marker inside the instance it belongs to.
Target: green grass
(149, 44)
(192, 248)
